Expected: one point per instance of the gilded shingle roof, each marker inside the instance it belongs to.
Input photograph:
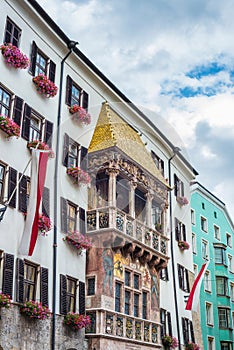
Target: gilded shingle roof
(111, 130)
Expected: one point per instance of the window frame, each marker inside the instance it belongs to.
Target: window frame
(71, 296)
(3, 105)
(203, 223)
(223, 260)
(193, 217)
(222, 286)
(71, 220)
(209, 314)
(229, 239)
(83, 95)
(13, 40)
(207, 282)
(30, 283)
(183, 278)
(118, 298)
(91, 289)
(227, 317)
(217, 232)
(205, 252)
(3, 174)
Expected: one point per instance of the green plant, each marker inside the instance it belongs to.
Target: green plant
(76, 321)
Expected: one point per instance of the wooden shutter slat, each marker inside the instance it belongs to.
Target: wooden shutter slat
(20, 280)
(33, 58)
(84, 158)
(175, 184)
(44, 286)
(23, 194)
(63, 294)
(82, 298)
(12, 181)
(82, 220)
(169, 323)
(46, 202)
(68, 90)
(17, 110)
(65, 150)
(8, 272)
(48, 133)
(52, 70)
(26, 121)
(85, 100)
(63, 215)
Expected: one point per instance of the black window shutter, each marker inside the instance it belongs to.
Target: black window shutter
(20, 280)
(177, 230)
(46, 202)
(23, 194)
(63, 295)
(184, 331)
(182, 188)
(33, 58)
(187, 281)
(85, 100)
(84, 158)
(81, 298)
(52, 70)
(65, 149)
(192, 332)
(17, 110)
(8, 271)
(169, 323)
(175, 184)
(12, 181)
(48, 133)
(82, 220)
(44, 286)
(63, 215)
(26, 122)
(184, 232)
(68, 90)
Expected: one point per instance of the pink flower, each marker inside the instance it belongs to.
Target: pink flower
(80, 114)
(44, 224)
(14, 57)
(79, 174)
(9, 126)
(41, 145)
(183, 245)
(78, 240)
(76, 321)
(45, 86)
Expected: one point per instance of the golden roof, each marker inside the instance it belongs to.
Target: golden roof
(111, 130)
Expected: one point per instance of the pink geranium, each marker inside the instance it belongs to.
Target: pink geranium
(76, 321)
(14, 57)
(45, 86)
(9, 126)
(5, 300)
(34, 309)
(80, 114)
(79, 174)
(78, 240)
(183, 245)
(40, 145)
(44, 224)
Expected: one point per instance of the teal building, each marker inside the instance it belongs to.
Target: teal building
(213, 240)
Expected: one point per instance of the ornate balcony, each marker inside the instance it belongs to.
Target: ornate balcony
(126, 228)
(129, 328)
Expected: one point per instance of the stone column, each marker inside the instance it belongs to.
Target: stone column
(132, 185)
(112, 186)
(149, 198)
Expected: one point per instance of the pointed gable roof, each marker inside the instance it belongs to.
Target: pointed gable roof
(111, 130)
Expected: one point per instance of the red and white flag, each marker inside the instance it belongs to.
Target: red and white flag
(37, 181)
(194, 295)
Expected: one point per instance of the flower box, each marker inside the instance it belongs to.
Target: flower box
(34, 309)
(182, 200)
(78, 240)
(80, 175)
(45, 86)
(79, 114)
(192, 346)
(76, 321)
(9, 126)
(40, 145)
(44, 224)
(169, 342)
(14, 57)
(5, 300)
(183, 245)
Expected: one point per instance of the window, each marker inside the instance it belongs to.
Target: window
(183, 278)
(229, 240)
(224, 317)
(158, 162)
(5, 102)
(207, 282)
(204, 248)
(2, 181)
(74, 154)
(216, 232)
(29, 278)
(209, 314)
(215, 215)
(203, 224)
(210, 343)
(136, 305)
(140, 205)
(232, 293)
(230, 263)
(75, 95)
(136, 279)
(69, 216)
(180, 230)
(164, 274)
(156, 214)
(188, 333)
(69, 287)
(41, 64)
(220, 255)
(122, 194)
(193, 217)
(144, 305)
(179, 187)
(194, 246)
(12, 33)
(91, 286)
(127, 278)
(127, 298)
(165, 319)
(203, 205)
(118, 297)
(225, 345)
(24, 192)
(195, 270)
(221, 285)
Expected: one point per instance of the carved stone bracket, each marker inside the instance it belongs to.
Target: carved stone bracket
(153, 261)
(161, 265)
(146, 257)
(138, 251)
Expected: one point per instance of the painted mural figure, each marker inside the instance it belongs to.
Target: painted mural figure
(154, 289)
(108, 265)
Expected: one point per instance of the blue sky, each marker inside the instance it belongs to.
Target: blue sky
(173, 57)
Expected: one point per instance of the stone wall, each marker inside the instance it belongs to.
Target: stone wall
(18, 332)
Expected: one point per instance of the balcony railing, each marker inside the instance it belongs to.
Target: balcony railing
(124, 326)
(113, 218)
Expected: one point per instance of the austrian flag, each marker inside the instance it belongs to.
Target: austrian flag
(38, 174)
(194, 296)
